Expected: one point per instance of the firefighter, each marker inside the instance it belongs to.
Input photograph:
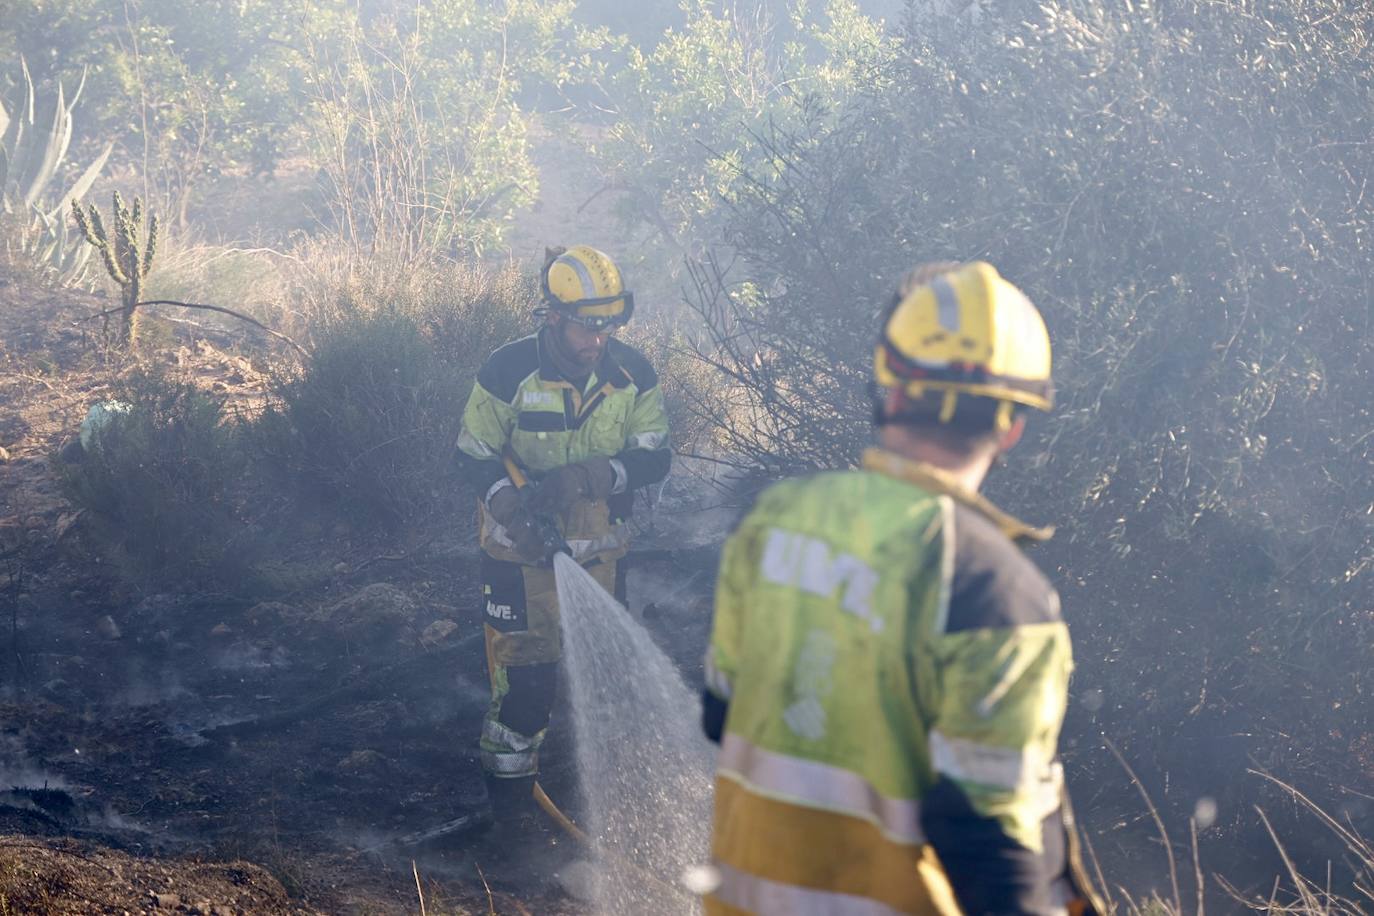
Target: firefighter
(887, 672)
(580, 415)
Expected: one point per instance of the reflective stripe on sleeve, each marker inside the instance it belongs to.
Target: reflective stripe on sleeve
(622, 476)
(819, 785)
(716, 680)
(759, 895)
(497, 487)
(469, 444)
(648, 441)
(947, 551)
(1007, 768)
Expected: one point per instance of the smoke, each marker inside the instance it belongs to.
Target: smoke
(17, 771)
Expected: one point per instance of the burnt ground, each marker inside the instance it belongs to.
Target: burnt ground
(212, 753)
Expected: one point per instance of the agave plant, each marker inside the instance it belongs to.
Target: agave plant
(47, 241)
(30, 157)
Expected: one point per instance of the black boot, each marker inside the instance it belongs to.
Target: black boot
(511, 798)
(524, 841)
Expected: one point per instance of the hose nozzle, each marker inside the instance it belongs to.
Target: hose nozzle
(553, 541)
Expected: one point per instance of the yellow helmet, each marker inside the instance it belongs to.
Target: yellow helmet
(964, 331)
(584, 285)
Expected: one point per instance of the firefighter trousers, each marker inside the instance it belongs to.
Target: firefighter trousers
(524, 644)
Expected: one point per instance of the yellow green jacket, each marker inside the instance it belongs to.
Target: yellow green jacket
(887, 676)
(521, 405)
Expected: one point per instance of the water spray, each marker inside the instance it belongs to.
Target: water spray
(644, 768)
(643, 764)
(570, 827)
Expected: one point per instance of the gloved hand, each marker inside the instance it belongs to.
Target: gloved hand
(590, 480)
(508, 508)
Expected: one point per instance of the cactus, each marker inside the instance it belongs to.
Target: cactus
(126, 258)
(29, 158)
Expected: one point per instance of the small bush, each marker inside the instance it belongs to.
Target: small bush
(371, 421)
(155, 482)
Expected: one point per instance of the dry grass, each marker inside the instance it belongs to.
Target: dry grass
(1292, 893)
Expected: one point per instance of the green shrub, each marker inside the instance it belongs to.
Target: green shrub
(690, 109)
(156, 481)
(467, 311)
(414, 117)
(369, 423)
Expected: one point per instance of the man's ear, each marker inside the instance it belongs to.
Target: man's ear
(894, 401)
(1007, 440)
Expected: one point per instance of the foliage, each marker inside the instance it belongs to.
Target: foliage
(189, 90)
(1181, 189)
(34, 227)
(415, 121)
(688, 113)
(127, 253)
(369, 423)
(156, 480)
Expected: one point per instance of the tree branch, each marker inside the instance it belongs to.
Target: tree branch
(208, 308)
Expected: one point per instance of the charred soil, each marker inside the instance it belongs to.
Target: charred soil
(153, 743)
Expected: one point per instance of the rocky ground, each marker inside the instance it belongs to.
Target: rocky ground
(203, 753)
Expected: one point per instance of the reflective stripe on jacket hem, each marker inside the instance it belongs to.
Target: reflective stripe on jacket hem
(818, 785)
(759, 895)
(798, 845)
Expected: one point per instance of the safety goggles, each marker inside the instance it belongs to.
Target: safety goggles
(594, 315)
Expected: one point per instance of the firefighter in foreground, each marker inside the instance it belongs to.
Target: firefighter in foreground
(579, 415)
(887, 672)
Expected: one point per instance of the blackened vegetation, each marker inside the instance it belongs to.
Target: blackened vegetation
(1182, 188)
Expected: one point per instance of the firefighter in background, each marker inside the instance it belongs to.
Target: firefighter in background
(580, 414)
(888, 673)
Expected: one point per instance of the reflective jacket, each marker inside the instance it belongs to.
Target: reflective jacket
(521, 404)
(887, 676)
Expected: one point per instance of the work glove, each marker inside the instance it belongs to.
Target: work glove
(509, 510)
(591, 480)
